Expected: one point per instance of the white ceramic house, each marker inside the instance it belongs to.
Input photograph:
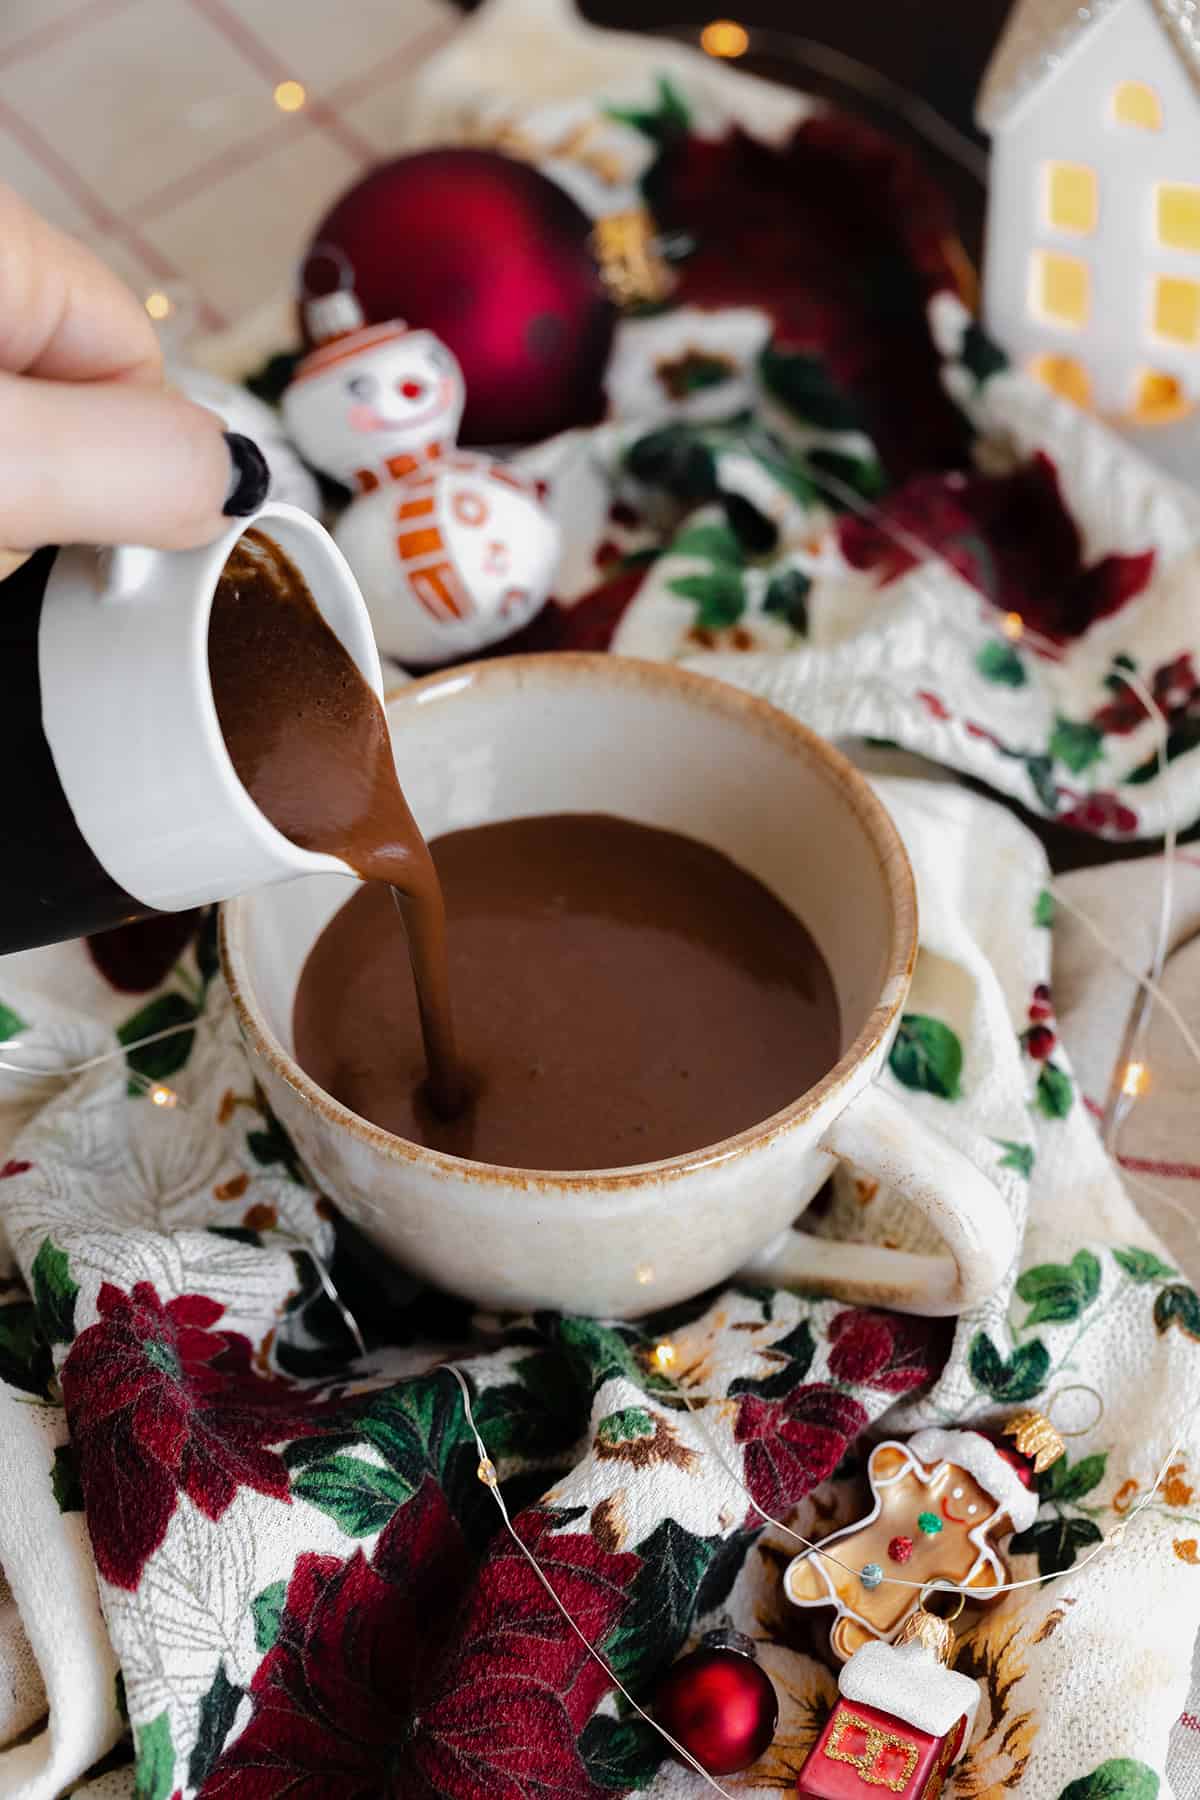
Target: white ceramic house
(1092, 261)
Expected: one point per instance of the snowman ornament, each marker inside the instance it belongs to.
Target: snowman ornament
(452, 549)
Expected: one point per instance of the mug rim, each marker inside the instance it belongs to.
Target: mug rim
(699, 690)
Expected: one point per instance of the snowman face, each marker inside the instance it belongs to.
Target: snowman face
(379, 393)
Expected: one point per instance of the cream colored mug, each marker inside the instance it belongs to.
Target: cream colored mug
(649, 742)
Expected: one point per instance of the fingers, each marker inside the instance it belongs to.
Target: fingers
(120, 463)
(64, 315)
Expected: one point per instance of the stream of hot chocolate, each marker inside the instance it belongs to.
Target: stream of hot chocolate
(309, 740)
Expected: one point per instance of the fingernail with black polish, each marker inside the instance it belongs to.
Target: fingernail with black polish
(250, 478)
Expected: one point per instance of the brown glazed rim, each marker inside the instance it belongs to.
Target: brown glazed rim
(757, 716)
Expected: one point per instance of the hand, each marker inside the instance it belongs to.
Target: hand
(93, 449)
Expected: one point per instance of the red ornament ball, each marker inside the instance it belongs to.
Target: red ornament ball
(496, 259)
(719, 1704)
(1040, 1041)
(900, 1549)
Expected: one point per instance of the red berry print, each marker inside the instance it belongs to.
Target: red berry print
(14, 1168)
(900, 1549)
(1039, 1042)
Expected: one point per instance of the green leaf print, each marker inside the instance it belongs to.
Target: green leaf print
(1077, 745)
(273, 1145)
(625, 1426)
(55, 1293)
(266, 1609)
(218, 1709)
(671, 118)
(803, 384)
(1180, 739)
(659, 1608)
(1016, 1156)
(154, 1775)
(25, 1360)
(11, 1023)
(1056, 1542)
(602, 1352)
(793, 1353)
(358, 1496)
(1143, 1265)
(537, 1413)
(621, 1753)
(1043, 909)
(1058, 1292)
(927, 1055)
(64, 1480)
(1019, 1377)
(716, 543)
(1054, 1093)
(1066, 1481)
(720, 596)
(1178, 1305)
(999, 662)
(676, 459)
(787, 598)
(1040, 770)
(1120, 1779)
(154, 1062)
(980, 355)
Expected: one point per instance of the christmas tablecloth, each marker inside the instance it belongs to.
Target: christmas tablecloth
(818, 480)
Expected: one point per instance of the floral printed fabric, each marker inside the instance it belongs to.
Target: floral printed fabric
(301, 1573)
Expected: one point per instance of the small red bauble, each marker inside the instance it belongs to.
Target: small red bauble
(496, 259)
(1039, 1041)
(719, 1704)
(900, 1549)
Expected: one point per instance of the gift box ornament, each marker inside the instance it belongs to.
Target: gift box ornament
(901, 1720)
(940, 1501)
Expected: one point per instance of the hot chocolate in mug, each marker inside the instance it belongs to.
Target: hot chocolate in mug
(123, 801)
(662, 747)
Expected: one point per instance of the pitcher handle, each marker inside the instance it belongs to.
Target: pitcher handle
(879, 1137)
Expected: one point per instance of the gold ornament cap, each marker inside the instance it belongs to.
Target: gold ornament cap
(932, 1633)
(1035, 1437)
(633, 269)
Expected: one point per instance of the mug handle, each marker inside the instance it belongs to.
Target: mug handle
(876, 1134)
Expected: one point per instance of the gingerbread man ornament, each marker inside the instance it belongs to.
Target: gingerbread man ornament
(453, 550)
(939, 1503)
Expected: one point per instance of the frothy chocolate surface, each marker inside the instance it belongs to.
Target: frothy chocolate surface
(622, 994)
(309, 741)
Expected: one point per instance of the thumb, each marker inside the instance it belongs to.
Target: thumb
(118, 463)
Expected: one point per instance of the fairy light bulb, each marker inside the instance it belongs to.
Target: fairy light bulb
(290, 96)
(664, 1355)
(1134, 1080)
(162, 1095)
(725, 38)
(1013, 626)
(158, 304)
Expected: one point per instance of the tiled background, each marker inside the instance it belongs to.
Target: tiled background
(150, 128)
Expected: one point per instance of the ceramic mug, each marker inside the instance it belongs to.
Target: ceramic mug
(127, 802)
(655, 744)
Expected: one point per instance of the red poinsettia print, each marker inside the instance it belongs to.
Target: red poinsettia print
(362, 1698)
(1176, 691)
(791, 1445)
(1010, 536)
(160, 1404)
(884, 1350)
(14, 1167)
(333, 1698)
(1101, 812)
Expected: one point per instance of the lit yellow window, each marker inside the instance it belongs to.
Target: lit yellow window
(1159, 397)
(1071, 197)
(1177, 210)
(1136, 104)
(1066, 376)
(1060, 287)
(1177, 309)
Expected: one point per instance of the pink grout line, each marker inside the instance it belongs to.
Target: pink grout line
(90, 203)
(401, 61)
(60, 31)
(261, 57)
